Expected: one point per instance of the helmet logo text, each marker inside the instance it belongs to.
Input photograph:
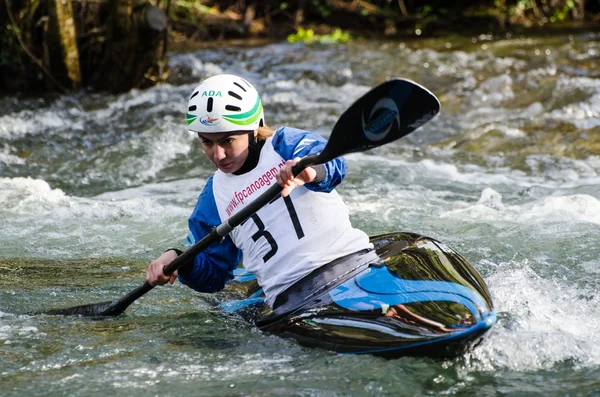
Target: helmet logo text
(211, 93)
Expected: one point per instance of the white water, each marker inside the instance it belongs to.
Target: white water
(116, 177)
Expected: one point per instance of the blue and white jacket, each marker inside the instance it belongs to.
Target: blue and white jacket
(286, 239)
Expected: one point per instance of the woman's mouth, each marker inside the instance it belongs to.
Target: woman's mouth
(226, 165)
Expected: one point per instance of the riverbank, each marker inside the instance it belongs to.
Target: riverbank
(97, 48)
(376, 23)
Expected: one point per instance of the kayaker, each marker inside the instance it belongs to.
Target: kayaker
(303, 230)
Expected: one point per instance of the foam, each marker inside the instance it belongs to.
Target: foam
(25, 122)
(40, 221)
(28, 196)
(7, 158)
(583, 115)
(569, 209)
(543, 322)
(437, 170)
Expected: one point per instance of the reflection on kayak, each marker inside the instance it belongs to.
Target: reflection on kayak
(412, 295)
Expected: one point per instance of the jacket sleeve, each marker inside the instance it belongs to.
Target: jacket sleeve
(214, 266)
(291, 142)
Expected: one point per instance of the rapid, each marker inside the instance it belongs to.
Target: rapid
(94, 186)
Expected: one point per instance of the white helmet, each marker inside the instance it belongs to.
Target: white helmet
(224, 103)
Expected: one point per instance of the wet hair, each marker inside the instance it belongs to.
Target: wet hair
(264, 132)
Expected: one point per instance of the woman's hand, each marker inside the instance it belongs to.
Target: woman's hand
(155, 275)
(286, 179)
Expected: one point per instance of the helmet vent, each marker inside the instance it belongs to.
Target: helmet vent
(194, 94)
(236, 96)
(240, 86)
(233, 108)
(209, 104)
(192, 108)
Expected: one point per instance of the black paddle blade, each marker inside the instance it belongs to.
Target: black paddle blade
(113, 308)
(388, 112)
(95, 309)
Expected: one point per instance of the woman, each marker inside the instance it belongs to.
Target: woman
(304, 229)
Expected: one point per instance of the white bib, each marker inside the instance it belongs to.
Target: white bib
(288, 238)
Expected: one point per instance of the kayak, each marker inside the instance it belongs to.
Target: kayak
(411, 295)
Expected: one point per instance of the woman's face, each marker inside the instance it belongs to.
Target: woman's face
(227, 150)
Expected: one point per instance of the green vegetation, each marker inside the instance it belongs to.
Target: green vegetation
(308, 36)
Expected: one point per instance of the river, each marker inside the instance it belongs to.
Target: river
(94, 186)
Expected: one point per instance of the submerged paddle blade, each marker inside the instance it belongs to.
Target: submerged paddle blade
(113, 308)
(388, 112)
(95, 309)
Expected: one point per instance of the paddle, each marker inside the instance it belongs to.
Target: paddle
(387, 112)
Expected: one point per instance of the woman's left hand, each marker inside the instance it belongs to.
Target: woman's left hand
(286, 179)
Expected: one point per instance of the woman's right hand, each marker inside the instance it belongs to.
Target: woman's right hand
(285, 177)
(155, 275)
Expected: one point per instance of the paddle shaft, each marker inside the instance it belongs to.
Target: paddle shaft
(214, 236)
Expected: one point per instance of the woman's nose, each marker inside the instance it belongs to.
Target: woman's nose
(219, 153)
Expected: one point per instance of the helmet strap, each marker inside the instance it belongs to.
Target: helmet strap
(254, 148)
(252, 139)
